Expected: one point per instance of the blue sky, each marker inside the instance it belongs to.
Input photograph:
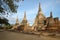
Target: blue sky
(31, 8)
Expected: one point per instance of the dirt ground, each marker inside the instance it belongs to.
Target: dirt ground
(5, 35)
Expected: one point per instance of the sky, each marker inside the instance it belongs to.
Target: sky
(31, 8)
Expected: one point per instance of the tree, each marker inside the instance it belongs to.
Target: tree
(8, 6)
(4, 21)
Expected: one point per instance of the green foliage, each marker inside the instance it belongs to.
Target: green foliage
(4, 21)
(8, 26)
(8, 5)
(11, 5)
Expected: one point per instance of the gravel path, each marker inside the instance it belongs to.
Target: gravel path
(5, 35)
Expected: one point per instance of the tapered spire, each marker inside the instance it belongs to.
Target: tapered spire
(24, 21)
(51, 14)
(24, 16)
(39, 8)
(17, 22)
